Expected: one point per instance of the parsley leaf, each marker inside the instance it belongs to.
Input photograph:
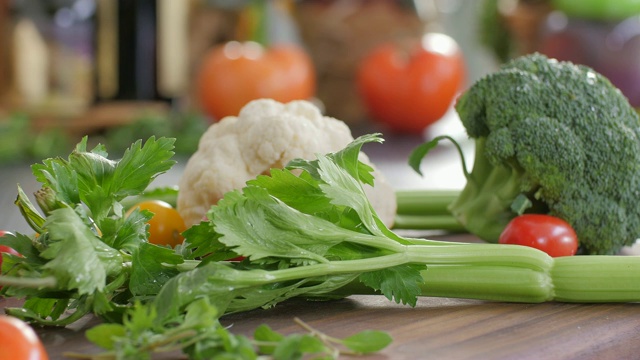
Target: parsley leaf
(71, 240)
(149, 271)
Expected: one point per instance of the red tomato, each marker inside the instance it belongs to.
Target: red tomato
(18, 341)
(547, 233)
(166, 225)
(235, 73)
(407, 91)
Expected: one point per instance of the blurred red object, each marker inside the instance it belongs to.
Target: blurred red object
(235, 73)
(407, 90)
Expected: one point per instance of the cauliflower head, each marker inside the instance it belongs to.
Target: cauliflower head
(266, 134)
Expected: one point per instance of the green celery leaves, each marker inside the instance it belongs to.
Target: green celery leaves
(306, 250)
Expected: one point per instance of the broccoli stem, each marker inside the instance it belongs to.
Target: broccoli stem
(489, 190)
(482, 207)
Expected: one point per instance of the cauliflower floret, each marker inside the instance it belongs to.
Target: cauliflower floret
(266, 134)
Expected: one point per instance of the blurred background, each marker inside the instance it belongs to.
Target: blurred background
(120, 70)
(123, 70)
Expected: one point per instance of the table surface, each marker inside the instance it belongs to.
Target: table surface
(436, 328)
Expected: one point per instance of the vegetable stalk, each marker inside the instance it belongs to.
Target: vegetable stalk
(426, 209)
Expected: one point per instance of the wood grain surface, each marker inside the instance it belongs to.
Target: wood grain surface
(437, 328)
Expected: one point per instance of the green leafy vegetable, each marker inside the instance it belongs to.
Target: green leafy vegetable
(70, 240)
(84, 243)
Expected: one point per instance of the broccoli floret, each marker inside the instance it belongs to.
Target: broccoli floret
(560, 137)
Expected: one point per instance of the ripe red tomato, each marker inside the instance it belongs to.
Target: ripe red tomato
(407, 91)
(166, 225)
(547, 233)
(18, 341)
(235, 73)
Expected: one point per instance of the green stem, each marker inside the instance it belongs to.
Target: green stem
(327, 340)
(591, 278)
(495, 283)
(24, 282)
(73, 317)
(484, 204)
(260, 277)
(425, 201)
(427, 222)
(259, 13)
(506, 256)
(581, 279)
(486, 272)
(186, 265)
(478, 271)
(426, 209)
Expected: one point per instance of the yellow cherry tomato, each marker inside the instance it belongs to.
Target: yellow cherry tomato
(166, 225)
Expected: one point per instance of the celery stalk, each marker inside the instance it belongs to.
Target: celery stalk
(425, 201)
(427, 222)
(590, 278)
(577, 279)
(426, 209)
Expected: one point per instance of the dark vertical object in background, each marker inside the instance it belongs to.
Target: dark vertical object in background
(136, 46)
(137, 49)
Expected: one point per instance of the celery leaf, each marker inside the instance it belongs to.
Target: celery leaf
(400, 283)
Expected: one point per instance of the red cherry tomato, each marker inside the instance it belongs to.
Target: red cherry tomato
(407, 91)
(547, 233)
(18, 341)
(235, 73)
(166, 225)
